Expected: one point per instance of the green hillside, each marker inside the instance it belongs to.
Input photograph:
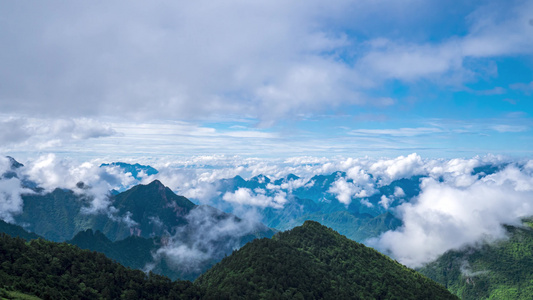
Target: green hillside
(51, 270)
(501, 270)
(17, 231)
(314, 262)
(308, 262)
(134, 252)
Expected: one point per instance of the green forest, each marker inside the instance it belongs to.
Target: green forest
(501, 270)
(52, 270)
(314, 262)
(307, 262)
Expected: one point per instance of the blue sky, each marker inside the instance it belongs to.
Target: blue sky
(268, 79)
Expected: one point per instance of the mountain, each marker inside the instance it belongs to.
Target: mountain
(17, 231)
(13, 166)
(500, 270)
(55, 215)
(144, 210)
(154, 209)
(363, 218)
(355, 227)
(314, 262)
(134, 252)
(51, 270)
(147, 226)
(136, 170)
(317, 187)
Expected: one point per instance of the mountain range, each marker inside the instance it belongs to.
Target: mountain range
(362, 218)
(151, 228)
(152, 217)
(308, 262)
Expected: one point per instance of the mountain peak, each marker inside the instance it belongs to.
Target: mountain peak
(156, 183)
(149, 205)
(135, 169)
(311, 223)
(305, 260)
(292, 177)
(260, 179)
(14, 164)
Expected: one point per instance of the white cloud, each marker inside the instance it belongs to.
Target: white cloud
(400, 167)
(46, 133)
(245, 196)
(10, 198)
(509, 128)
(50, 172)
(294, 184)
(209, 235)
(398, 192)
(366, 203)
(496, 29)
(526, 88)
(175, 59)
(385, 201)
(402, 132)
(411, 62)
(446, 216)
(344, 190)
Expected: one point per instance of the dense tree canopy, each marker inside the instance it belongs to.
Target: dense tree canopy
(314, 262)
(500, 270)
(61, 271)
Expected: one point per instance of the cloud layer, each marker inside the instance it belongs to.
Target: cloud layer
(265, 60)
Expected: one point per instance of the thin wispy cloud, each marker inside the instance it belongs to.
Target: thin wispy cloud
(397, 132)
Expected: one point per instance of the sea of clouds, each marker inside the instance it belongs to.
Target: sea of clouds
(456, 206)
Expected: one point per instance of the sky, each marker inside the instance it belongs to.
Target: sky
(270, 79)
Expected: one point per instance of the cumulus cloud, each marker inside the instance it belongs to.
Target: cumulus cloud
(449, 216)
(400, 167)
(343, 190)
(293, 184)
(258, 197)
(385, 201)
(398, 192)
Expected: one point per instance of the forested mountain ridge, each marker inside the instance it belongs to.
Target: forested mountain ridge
(17, 231)
(149, 220)
(144, 210)
(133, 252)
(311, 261)
(314, 262)
(500, 270)
(52, 270)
